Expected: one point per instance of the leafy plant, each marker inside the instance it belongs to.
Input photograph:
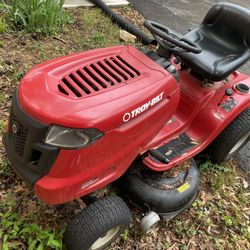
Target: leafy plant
(3, 25)
(2, 123)
(227, 220)
(125, 234)
(208, 166)
(45, 16)
(4, 167)
(15, 230)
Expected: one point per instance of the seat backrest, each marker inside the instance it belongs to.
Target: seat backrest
(230, 23)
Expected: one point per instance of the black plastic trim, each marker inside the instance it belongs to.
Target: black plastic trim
(25, 166)
(162, 61)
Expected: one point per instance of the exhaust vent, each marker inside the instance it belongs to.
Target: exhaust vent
(97, 76)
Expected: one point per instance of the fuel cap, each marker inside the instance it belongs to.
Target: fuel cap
(241, 87)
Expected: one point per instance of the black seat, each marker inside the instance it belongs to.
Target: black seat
(224, 36)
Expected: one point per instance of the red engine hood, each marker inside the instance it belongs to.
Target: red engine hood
(94, 88)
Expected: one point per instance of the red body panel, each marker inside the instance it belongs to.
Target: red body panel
(111, 110)
(193, 109)
(199, 115)
(102, 109)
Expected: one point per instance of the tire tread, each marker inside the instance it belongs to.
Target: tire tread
(243, 158)
(221, 146)
(93, 221)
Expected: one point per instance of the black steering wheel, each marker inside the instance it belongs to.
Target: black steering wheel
(170, 39)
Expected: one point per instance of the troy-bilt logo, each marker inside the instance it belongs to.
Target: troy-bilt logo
(142, 108)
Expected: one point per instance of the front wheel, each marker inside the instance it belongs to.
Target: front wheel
(98, 225)
(232, 138)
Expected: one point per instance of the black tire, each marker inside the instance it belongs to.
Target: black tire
(221, 149)
(93, 222)
(243, 158)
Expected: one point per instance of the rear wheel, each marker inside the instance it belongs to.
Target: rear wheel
(98, 225)
(243, 158)
(232, 139)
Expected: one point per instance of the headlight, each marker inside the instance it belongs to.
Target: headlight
(71, 138)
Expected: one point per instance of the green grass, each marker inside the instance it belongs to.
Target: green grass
(3, 25)
(2, 123)
(15, 230)
(105, 33)
(4, 168)
(42, 16)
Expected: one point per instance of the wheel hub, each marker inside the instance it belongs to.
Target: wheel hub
(238, 145)
(107, 237)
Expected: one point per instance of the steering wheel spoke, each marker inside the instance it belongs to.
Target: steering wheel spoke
(166, 37)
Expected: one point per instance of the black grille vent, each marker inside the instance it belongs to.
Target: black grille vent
(97, 76)
(18, 134)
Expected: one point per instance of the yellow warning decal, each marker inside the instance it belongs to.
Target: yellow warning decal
(183, 187)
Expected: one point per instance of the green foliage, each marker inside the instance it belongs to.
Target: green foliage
(43, 16)
(4, 167)
(183, 228)
(15, 230)
(218, 243)
(99, 30)
(125, 234)
(2, 123)
(209, 166)
(166, 245)
(3, 25)
(18, 233)
(17, 76)
(227, 219)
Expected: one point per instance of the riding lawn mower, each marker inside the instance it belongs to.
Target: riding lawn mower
(129, 116)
